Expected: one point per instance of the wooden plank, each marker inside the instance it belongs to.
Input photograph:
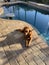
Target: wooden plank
(3, 57)
(19, 58)
(38, 60)
(46, 60)
(29, 60)
(29, 51)
(9, 55)
(32, 63)
(42, 56)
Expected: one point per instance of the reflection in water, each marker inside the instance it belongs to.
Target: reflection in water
(18, 13)
(35, 17)
(25, 15)
(48, 28)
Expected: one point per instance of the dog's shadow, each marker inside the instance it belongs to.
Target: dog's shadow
(14, 37)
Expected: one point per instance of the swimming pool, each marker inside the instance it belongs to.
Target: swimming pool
(37, 18)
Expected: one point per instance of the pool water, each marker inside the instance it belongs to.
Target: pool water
(36, 17)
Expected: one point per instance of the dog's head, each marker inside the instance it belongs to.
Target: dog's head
(26, 30)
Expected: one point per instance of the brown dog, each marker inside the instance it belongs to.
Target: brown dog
(28, 38)
(27, 35)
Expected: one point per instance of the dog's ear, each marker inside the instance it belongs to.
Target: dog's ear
(25, 28)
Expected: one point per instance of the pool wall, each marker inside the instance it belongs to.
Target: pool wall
(37, 5)
(40, 6)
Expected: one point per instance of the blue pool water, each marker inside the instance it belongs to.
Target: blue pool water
(37, 18)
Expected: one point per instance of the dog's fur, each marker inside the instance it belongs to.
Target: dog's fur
(27, 35)
(28, 38)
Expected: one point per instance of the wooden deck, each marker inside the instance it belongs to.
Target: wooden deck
(12, 46)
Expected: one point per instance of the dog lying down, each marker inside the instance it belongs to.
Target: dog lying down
(27, 35)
